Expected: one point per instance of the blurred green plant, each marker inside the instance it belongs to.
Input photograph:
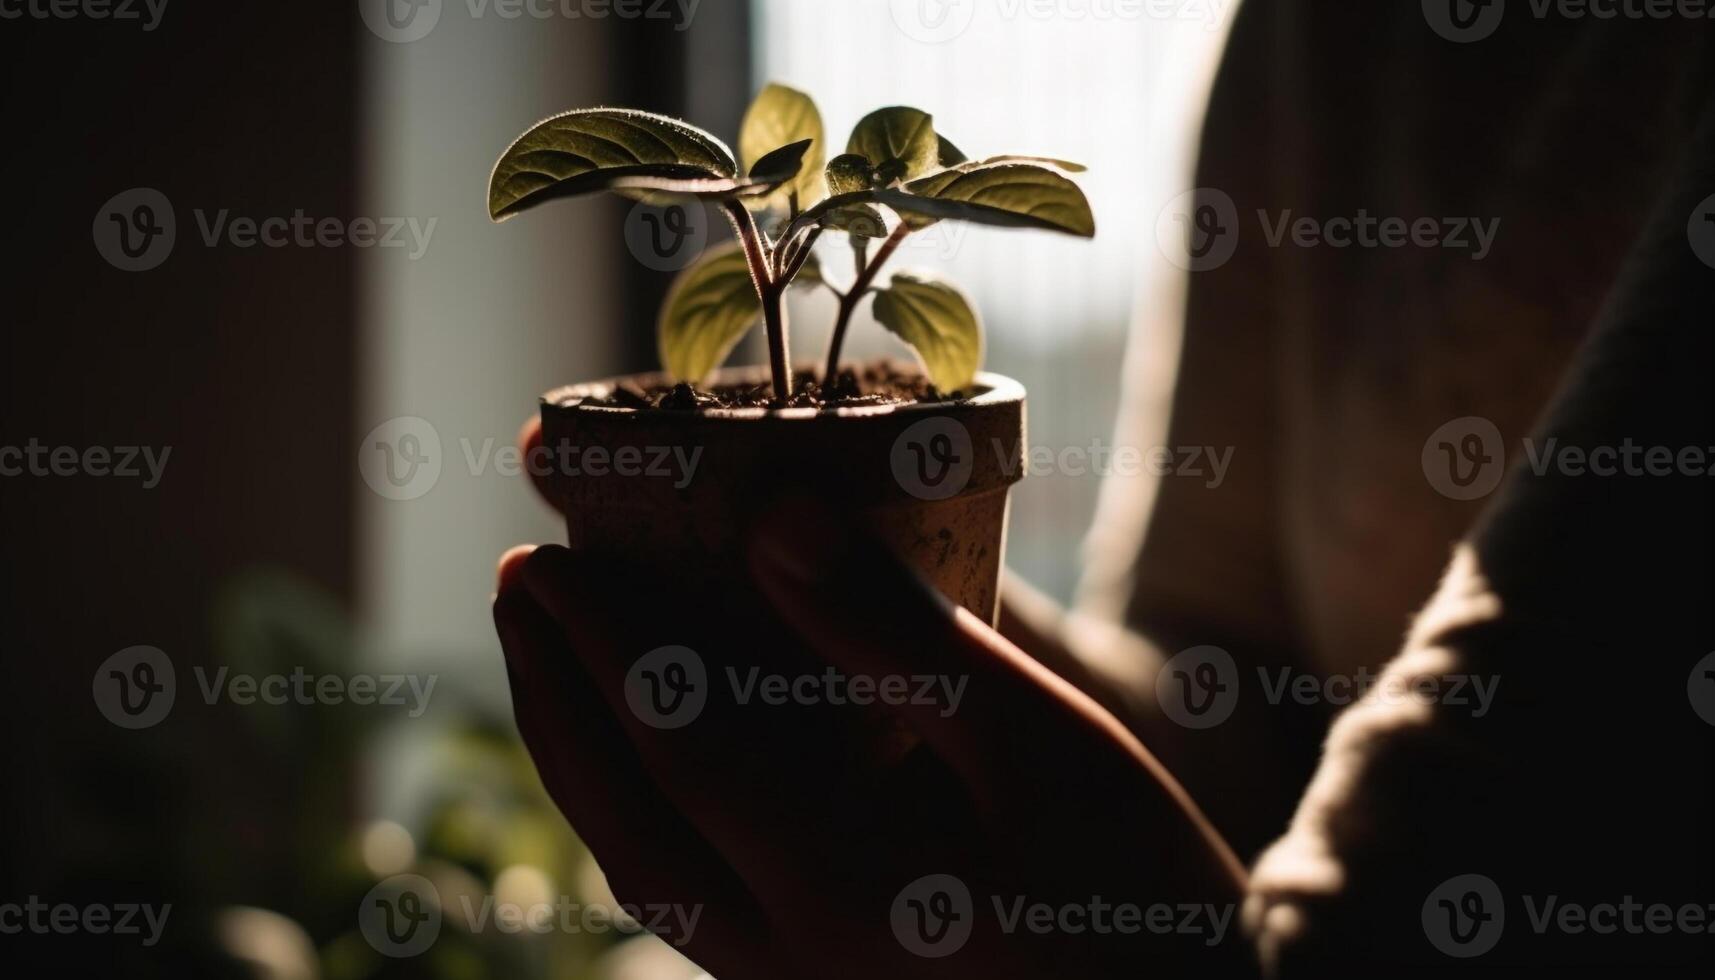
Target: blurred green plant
(474, 816)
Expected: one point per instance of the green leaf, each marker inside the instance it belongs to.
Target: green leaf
(588, 150)
(847, 173)
(938, 321)
(946, 153)
(1018, 195)
(778, 116)
(857, 220)
(1066, 165)
(780, 165)
(899, 142)
(708, 308)
(951, 156)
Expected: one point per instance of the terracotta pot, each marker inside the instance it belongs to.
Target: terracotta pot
(672, 491)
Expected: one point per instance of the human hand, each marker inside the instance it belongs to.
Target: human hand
(799, 834)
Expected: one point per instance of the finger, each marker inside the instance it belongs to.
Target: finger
(725, 769)
(856, 604)
(649, 852)
(1021, 733)
(510, 566)
(530, 447)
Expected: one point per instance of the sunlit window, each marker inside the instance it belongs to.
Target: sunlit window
(1102, 84)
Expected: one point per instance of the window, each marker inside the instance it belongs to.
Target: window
(1073, 79)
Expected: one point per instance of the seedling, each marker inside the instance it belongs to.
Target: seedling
(784, 197)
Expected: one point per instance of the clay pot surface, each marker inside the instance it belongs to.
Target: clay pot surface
(672, 491)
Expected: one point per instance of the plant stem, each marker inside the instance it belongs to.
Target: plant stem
(779, 358)
(794, 263)
(849, 302)
(769, 292)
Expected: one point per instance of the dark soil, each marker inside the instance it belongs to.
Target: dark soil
(876, 383)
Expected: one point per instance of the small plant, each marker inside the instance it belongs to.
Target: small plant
(786, 196)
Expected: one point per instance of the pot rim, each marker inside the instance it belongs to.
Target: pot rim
(993, 390)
